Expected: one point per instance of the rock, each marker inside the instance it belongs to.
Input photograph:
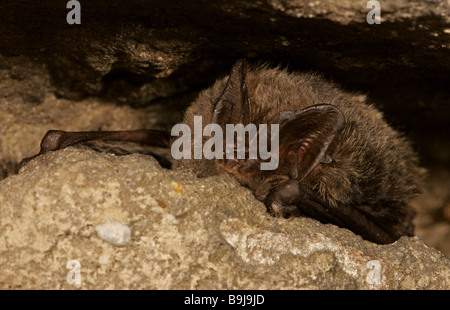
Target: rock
(187, 233)
(347, 11)
(114, 233)
(432, 221)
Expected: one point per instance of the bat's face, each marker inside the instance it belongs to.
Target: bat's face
(288, 146)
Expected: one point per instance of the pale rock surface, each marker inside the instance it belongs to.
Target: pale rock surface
(186, 233)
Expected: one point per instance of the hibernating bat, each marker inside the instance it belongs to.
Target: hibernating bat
(339, 161)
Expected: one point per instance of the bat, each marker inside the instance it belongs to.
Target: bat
(339, 162)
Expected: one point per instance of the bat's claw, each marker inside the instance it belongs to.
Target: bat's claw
(24, 161)
(282, 200)
(288, 212)
(52, 141)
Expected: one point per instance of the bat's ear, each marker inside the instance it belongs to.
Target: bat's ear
(233, 107)
(305, 135)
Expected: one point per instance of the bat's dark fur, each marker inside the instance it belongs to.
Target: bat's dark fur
(339, 161)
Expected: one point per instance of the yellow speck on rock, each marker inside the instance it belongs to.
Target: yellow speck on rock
(178, 188)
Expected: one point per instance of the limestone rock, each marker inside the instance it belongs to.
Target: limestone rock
(187, 233)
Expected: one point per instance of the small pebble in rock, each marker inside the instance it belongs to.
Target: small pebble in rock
(115, 233)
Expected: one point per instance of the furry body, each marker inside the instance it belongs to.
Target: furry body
(373, 168)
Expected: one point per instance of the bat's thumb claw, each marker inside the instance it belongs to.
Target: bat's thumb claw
(24, 161)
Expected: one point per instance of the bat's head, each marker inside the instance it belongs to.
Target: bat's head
(290, 145)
